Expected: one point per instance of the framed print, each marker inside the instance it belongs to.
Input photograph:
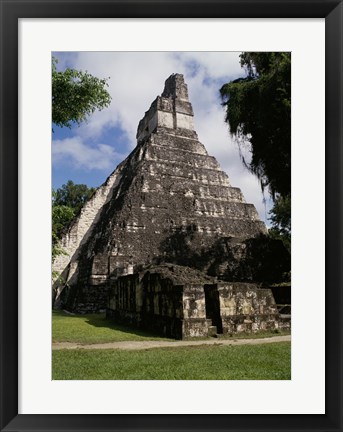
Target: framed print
(31, 33)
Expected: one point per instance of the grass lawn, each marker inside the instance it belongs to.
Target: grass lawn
(203, 362)
(244, 362)
(93, 328)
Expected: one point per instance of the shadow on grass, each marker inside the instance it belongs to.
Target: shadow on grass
(100, 321)
(103, 322)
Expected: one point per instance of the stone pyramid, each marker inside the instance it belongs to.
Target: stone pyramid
(168, 201)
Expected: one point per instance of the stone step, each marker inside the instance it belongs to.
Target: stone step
(212, 331)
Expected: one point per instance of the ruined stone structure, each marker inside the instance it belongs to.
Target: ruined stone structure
(180, 302)
(167, 202)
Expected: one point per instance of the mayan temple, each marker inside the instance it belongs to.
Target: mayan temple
(160, 243)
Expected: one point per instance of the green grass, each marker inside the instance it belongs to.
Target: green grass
(260, 334)
(245, 362)
(255, 362)
(93, 328)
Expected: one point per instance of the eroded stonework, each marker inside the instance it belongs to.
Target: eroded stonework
(181, 303)
(168, 201)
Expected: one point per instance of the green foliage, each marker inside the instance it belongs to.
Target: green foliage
(72, 195)
(66, 203)
(281, 221)
(258, 109)
(61, 218)
(281, 214)
(246, 362)
(56, 250)
(76, 95)
(276, 234)
(62, 215)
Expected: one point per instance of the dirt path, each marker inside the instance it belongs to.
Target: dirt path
(143, 345)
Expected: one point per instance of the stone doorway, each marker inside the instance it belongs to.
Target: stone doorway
(212, 304)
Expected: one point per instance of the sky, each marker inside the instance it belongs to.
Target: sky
(90, 152)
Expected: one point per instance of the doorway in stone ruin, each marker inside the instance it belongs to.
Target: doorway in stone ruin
(212, 305)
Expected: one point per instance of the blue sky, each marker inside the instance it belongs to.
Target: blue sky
(90, 152)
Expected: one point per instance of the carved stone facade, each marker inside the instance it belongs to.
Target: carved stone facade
(168, 201)
(181, 303)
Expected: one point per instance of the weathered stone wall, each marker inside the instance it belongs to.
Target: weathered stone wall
(162, 305)
(169, 302)
(83, 299)
(171, 110)
(169, 201)
(158, 301)
(126, 300)
(195, 322)
(243, 307)
(150, 302)
(80, 230)
(158, 201)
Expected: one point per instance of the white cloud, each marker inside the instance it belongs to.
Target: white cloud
(137, 78)
(75, 153)
(216, 64)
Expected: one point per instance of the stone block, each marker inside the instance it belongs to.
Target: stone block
(184, 121)
(164, 119)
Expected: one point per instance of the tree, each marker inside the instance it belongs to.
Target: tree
(258, 110)
(61, 217)
(281, 220)
(281, 214)
(72, 195)
(66, 203)
(76, 95)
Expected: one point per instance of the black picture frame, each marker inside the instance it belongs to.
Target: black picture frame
(11, 11)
